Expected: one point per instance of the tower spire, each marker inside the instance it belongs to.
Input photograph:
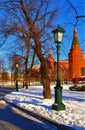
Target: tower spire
(75, 41)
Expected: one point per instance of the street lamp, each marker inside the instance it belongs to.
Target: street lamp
(23, 79)
(16, 76)
(58, 105)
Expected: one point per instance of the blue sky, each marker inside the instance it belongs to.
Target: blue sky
(66, 19)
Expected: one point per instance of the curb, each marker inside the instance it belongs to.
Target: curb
(39, 116)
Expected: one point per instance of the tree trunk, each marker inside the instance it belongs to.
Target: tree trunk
(26, 70)
(44, 73)
(45, 80)
(26, 81)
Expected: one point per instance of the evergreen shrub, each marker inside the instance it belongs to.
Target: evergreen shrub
(77, 88)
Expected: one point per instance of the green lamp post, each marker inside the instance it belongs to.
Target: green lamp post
(58, 105)
(23, 79)
(16, 76)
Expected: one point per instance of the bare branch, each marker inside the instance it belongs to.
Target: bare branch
(73, 7)
(81, 16)
(77, 16)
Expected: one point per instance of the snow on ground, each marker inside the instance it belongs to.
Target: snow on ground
(33, 100)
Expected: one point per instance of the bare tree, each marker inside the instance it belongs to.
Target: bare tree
(30, 21)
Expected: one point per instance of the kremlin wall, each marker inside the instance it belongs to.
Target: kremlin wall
(73, 68)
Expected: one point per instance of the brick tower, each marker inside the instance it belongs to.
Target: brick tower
(76, 58)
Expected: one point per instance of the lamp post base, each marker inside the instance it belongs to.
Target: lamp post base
(58, 107)
(23, 84)
(16, 86)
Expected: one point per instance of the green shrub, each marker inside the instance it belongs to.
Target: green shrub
(82, 88)
(77, 88)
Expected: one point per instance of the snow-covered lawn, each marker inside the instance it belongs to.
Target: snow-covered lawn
(32, 99)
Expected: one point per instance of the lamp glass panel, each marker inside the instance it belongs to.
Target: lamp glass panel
(16, 65)
(56, 37)
(59, 37)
